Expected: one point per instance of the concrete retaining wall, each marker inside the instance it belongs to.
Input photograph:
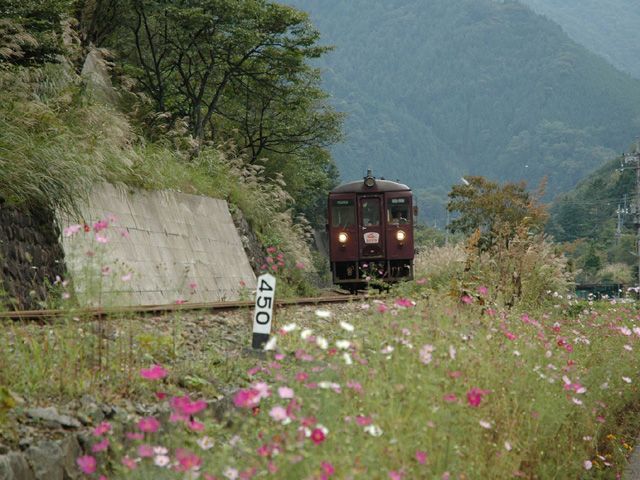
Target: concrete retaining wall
(154, 248)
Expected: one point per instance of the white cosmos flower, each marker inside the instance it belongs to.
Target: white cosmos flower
(485, 424)
(161, 460)
(160, 450)
(347, 326)
(343, 344)
(507, 446)
(289, 327)
(347, 359)
(322, 343)
(205, 443)
(626, 379)
(271, 344)
(373, 430)
(323, 313)
(306, 333)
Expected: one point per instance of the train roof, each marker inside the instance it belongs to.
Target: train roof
(379, 186)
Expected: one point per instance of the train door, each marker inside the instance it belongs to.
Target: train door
(371, 226)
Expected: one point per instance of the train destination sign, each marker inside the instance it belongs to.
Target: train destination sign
(263, 313)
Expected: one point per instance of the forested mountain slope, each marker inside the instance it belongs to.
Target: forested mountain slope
(608, 28)
(435, 90)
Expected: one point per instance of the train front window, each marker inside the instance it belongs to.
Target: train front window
(397, 211)
(343, 213)
(371, 212)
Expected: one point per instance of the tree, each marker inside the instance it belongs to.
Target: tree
(193, 57)
(493, 210)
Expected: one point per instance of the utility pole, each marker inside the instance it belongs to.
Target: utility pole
(633, 159)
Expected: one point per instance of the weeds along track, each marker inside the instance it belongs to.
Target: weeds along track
(95, 312)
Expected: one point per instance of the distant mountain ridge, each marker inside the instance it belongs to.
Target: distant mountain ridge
(452, 87)
(607, 27)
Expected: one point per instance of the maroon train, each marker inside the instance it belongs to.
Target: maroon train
(370, 225)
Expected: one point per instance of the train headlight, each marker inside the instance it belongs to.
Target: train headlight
(343, 237)
(401, 235)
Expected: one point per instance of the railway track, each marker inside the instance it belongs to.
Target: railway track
(96, 312)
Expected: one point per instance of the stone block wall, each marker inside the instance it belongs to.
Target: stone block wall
(30, 255)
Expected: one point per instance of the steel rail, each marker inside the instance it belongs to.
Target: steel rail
(214, 306)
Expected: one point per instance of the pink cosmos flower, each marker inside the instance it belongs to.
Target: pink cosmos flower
(195, 426)
(149, 424)
(272, 249)
(247, 398)
(134, 435)
(102, 239)
(71, 230)
(156, 372)
(126, 277)
(184, 405)
(466, 299)
(302, 376)
(100, 225)
(87, 464)
(354, 386)
(426, 353)
(100, 446)
(474, 396)
(180, 301)
(421, 281)
(130, 463)
(187, 460)
(396, 475)
(285, 392)
(363, 421)
(450, 398)
(101, 429)
(421, 457)
(509, 335)
(382, 308)
(405, 303)
(145, 451)
(300, 265)
(327, 469)
(278, 413)
(317, 436)
(482, 290)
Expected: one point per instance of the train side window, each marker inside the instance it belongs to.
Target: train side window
(343, 213)
(397, 211)
(371, 212)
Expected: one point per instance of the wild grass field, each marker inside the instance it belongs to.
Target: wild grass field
(413, 384)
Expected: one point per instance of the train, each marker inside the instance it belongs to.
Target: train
(370, 224)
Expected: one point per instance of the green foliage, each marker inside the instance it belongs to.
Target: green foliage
(35, 27)
(447, 88)
(493, 210)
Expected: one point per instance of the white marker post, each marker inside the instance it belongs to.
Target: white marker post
(265, 293)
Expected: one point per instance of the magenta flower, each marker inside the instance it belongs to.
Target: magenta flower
(382, 308)
(327, 469)
(156, 372)
(247, 398)
(482, 290)
(510, 335)
(421, 457)
(187, 460)
(466, 299)
(149, 425)
(363, 421)
(405, 303)
(100, 225)
(101, 429)
(450, 398)
(317, 436)
(134, 435)
(184, 405)
(100, 446)
(87, 464)
(130, 463)
(145, 451)
(474, 396)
